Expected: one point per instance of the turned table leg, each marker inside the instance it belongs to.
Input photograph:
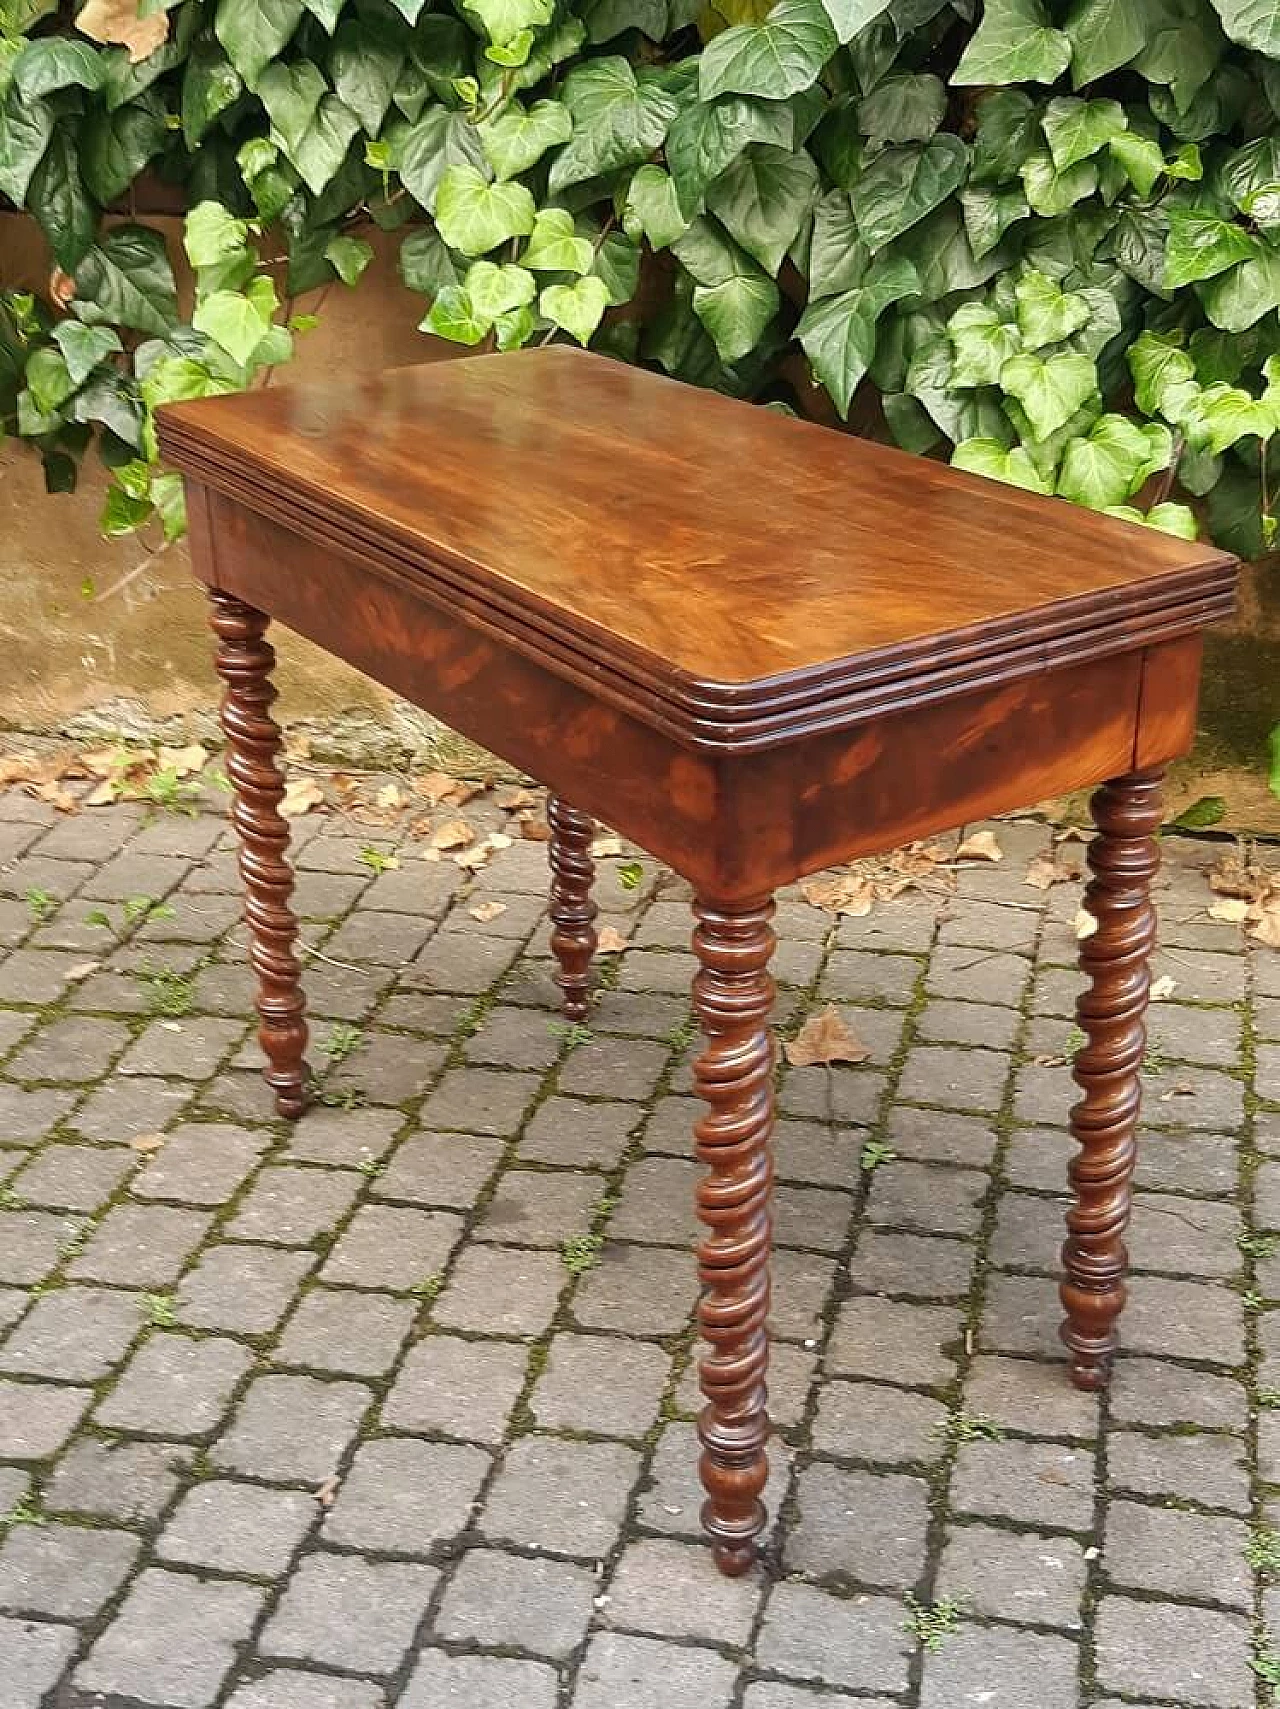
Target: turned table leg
(733, 996)
(573, 912)
(1123, 859)
(245, 660)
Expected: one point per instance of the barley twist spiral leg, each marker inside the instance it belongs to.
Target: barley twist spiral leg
(573, 912)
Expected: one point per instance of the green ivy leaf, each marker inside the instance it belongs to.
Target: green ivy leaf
(779, 57)
(1051, 192)
(988, 214)
(1046, 313)
(122, 514)
(1252, 23)
(315, 128)
(838, 334)
(349, 257)
(83, 347)
(505, 20)
(1251, 177)
(517, 139)
(733, 297)
(454, 316)
(764, 200)
(25, 129)
(1104, 35)
(1112, 461)
(1202, 244)
(254, 31)
(1176, 519)
(365, 65)
(115, 146)
(1162, 373)
(1049, 388)
(990, 458)
(850, 17)
(902, 185)
(424, 151)
(1239, 298)
(50, 63)
(425, 262)
(234, 320)
(474, 216)
(618, 120)
(555, 246)
(210, 83)
(837, 255)
(906, 108)
(1008, 129)
(513, 329)
(1076, 129)
(981, 344)
(1015, 43)
(652, 208)
(58, 199)
(1221, 416)
(706, 137)
(48, 379)
(1141, 160)
(495, 290)
(578, 308)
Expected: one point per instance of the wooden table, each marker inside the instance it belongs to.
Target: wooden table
(751, 645)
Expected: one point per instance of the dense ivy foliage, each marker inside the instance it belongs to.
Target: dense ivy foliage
(1041, 237)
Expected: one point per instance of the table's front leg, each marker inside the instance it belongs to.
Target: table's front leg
(733, 997)
(573, 909)
(245, 661)
(1123, 858)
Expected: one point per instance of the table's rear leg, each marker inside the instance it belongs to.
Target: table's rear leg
(1123, 858)
(733, 997)
(573, 911)
(245, 660)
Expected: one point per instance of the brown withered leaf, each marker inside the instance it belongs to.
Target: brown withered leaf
(1266, 928)
(1236, 877)
(432, 786)
(62, 288)
(1044, 871)
(1231, 909)
(1163, 988)
(390, 796)
(982, 845)
(301, 794)
(118, 21)
(533, 829)
(486, 911)
(453, 834)
(611, 941)
(840, 893)
(918, 860)
(1070, 834)
(56, 796)
(825, 1038)
(81, 970)
(512, 797)
(472, 859)
(605, 848)
(1085, 924)
(327, 1492)
(146, 1143)
(184, 762)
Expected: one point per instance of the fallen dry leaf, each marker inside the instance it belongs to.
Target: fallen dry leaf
(1085, 924)
(825, 1038)
(982, 845)
(498, 840)
(57, 797)
(104, 793)
(1163, 988)
(471, 860)
(118, 21)
(840, 893)
(390, 796)
(1267, 928)
(1071, 834)
(433, 786)
(611, 941)
(18, 768)
(534, 830)
(486, 911)
(62, 288)
(81, 970)
(327, 1492)
(1232, 909)
(296, 745)
(184, 762)
(146, 1143)
(1047, 870)
(604, 848)
(301, 794)
(512, 798)
(453, 834)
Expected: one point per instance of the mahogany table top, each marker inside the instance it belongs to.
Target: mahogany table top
(721, 560)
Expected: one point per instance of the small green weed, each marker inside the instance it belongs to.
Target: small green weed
(1074, 1042)
(573, 1033)
(969, 1427)
(682, 1036)
(932, 1623)
(1259, 1245)
(11, 1200)
(377, 860)
(1262, 1551)
(139, 909)
(372, 1167)
(160, 1310)
(1252, 1300)
(168, 991)
(342, 1041)
(24, 1512)
(1266, 1664)
(41, 904)
(631, 875)
(343, 1098)
(581, 1252)
(166, 790)
(874, 1153)
(1269, 1399)
(429, 1288)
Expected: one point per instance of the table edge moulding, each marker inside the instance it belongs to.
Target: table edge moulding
(754, 647)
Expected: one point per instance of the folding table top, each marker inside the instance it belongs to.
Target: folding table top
(720, 559)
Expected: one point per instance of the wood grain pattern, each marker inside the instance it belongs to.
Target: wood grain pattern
(918, 576)
(1123, 859)
(733, 998)
(573, 909)
(245, 661)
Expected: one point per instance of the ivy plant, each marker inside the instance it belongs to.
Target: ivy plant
(1039, 238)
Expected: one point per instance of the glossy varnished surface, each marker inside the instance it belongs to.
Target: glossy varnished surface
(736, 574)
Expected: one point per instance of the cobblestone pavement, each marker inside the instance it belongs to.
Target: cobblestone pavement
(395, 1408)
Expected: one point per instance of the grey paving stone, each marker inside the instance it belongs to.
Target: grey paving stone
(569, 1497)
(442, 1681)
(122, 1109)
(285, 1688)
(914, 1265)
(343, 1611)
(533, 1208)
(501, 1291)
(37, 1418)
(771, 1694)
(1188, 1162)
(290, 1206)
(945, 1021)
(292, 1429)
(1156, 1393)
(662, 1586)
(1019, 1576)
(1025, 1395)
(237, 1528)
(1022, 1315)
(1178, 1554)
(636, 1290)
(1017, 1670)
(859, 1642)
(962, 1078)
(932, 1199)
(457, 1387)
(893, 1342)
(37, 975)
(175, 1386)
(1038, 1483)
(202, 1163)
(141, 1246)
(1207, 1469)
(1175, 1318)
(173, 1640)
(510, 1038)
(870, 1421)
(338, 1329)
(349, 1137)
(576, 1134)
(859, 1525)
(863, 975)
(32, 1244)
(480, 1100)
(390, 1069)
(243, 1289)
(1194, 1656)
(802, 1285)
(449, 1169)
(940, 1136)
(76, 1334)
(1037, 1157)
(31, 1659)
(844, 1095)
(647, 1674)
(404, 1497)
(392, 1246)
(507, 1601)
(76, 1050)
(608, 1385)
(185, 1050)
(72, 1177)
(128, 1481)
(64, 1572)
